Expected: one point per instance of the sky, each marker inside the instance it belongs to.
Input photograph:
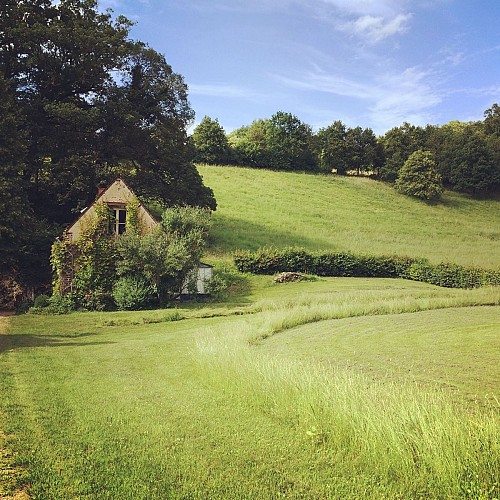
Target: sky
(368, 63)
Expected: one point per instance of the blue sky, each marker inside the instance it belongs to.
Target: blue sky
(372, 63)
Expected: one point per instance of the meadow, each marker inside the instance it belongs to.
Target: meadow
(321, 212)
(334, 388)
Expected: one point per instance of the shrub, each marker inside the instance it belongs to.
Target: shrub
(58, 304)
(42, 300)
(134, 292)
(225, 280)
(272, 261)
(419, 177)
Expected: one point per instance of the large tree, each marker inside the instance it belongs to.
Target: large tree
(419, 177)
(248, 144)
(210, 142)
(465, 157)
(289, 143)
(331, 148)
(399, 143)
(92, 104)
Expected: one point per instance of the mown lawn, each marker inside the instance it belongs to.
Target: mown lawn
(260, 208)
(342, 388)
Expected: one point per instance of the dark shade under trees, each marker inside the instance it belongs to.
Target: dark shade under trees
(81, 105)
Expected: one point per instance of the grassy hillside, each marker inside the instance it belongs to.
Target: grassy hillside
(259, 398)
(261, 207)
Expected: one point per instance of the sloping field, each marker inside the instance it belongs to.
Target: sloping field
(261, 208)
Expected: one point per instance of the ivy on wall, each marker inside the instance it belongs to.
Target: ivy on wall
(85, 269)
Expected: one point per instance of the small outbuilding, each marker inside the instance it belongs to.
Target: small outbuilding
(198, 280)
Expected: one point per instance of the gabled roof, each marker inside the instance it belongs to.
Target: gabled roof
(118, 193)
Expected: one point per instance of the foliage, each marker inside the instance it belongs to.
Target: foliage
(274, 260)
(82, 104)
(492, 120)
(248, 144)
(169, 252)
(466, 158)
(289, 143)
(419, 177)
(331, 146)
(281, 142)
(399, 143)
(10, 291)
(343, 149)
(210, 142)
(96, 261)
(41, 301)
(134, 292)
(225, 281)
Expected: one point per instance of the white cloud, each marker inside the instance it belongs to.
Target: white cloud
(322, 82)
(376, 28)
(371, 19)
(389, 98)
(365, 7)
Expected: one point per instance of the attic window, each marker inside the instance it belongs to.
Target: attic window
(118, 221)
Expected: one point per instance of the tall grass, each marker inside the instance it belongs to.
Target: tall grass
(376, 438)
(177, 404)
(300, 310)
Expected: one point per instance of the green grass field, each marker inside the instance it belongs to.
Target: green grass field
(318, 212)
(335, 388)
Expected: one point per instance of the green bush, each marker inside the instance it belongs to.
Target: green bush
(41, 300)
(273, 261)
(225, 280)
(58, 304)
(134, 292)
(420, 177)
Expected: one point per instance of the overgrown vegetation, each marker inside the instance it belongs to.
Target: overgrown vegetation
(136, 269)
(82, 104)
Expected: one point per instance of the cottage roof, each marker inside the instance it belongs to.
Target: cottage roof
(117, 194)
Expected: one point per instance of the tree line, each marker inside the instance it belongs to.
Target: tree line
(466, 154)
(81, 104)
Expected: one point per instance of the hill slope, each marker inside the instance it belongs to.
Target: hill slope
(261, 207)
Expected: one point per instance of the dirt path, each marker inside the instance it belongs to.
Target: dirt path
(4, 321)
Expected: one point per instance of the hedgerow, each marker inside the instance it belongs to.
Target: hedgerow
(273, 260)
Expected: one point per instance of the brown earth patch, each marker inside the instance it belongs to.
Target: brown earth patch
(4, 321)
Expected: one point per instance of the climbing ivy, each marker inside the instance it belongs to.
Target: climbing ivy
(86, 270)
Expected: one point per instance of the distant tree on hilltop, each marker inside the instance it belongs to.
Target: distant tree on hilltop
(210, 142)
(419, 177)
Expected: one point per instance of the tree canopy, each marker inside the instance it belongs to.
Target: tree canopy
(419, 177)
(81, 104)
(210, 142)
